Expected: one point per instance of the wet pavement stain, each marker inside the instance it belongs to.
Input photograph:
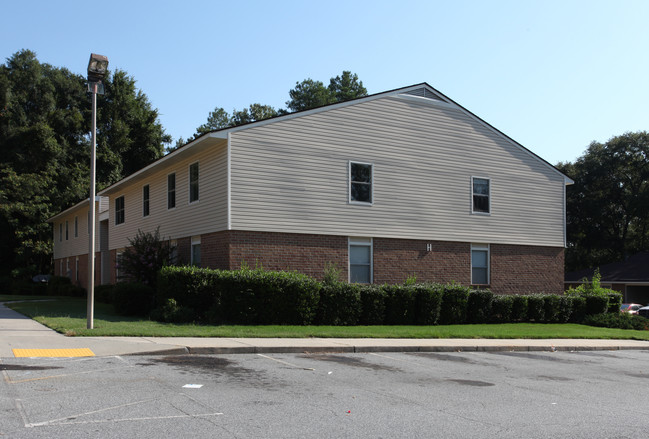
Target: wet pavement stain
(472, 383)
(637, 375)
(445, 357)
(539, 356)
(549, 378)
(216, 367)
(23, 367)
(351, 361)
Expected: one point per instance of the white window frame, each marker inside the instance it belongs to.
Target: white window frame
(123, 210)
(482, 247)
(360, 241)
(196, 240)
(349, 184)
(198, 179)
(146, 202)
(76, 269)
(488, 196)
(175, 192)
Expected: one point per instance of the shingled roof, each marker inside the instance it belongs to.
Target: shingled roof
(634, 269)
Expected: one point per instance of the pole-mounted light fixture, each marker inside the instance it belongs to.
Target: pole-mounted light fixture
(97, 69)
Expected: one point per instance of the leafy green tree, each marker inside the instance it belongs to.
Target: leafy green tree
(346, 87)
(309, 94)
(253, 113)
(45, 150)
(608, 206)
(145, 256)
(218, 119)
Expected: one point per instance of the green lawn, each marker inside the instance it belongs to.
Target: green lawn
(68, 316)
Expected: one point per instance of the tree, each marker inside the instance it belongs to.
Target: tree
(45, 150)
(308, 94)
(218, 119)
(346, 87)
(608, 206)
(253, 113)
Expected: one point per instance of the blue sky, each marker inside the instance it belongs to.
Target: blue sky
(553, 75)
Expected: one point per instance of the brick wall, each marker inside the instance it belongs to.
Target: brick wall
(520, 269)
(397, 259)
(514, 269)
(308, 254)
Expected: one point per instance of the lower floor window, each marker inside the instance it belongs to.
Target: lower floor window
(360, 260)
(480, 264)
(119, 271)
(196, 251)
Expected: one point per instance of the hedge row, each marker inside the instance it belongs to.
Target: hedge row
(266, 297)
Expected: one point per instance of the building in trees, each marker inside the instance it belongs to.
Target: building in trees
(389, 186)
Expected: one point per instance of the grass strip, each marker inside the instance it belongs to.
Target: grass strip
(68, 316)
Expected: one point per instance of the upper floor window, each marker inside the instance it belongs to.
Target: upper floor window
(193, 182)
(119, 210)
(480, 264)
(76, 226)
(145, 200)
(66, 230)
(171, 191)
(481, 195)
(360, 182)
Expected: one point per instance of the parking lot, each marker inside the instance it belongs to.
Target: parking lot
(329, 395)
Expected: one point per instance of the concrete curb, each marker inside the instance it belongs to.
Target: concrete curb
(188, 350)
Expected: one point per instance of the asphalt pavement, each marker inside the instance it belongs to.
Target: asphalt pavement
(20, 333)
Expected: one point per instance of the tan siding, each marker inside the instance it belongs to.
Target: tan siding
(74, 246)
(292, 176)
(207, 215)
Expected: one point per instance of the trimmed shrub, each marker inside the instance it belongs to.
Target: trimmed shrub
(58, 285)
(618, 320)
(340, 304)
(519, 308)
(578, 309)
(479, 304)
(171, 312)
(104, 294)
(372, 305)
(399, 304)
(454, 304)
(614, 302)
(428, 301)
(536, 308)
(501, 308)
(191, 287)
(133, 299)
(551, 308)
(565, 309)
(596, 304)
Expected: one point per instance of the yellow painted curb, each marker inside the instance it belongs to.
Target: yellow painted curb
(80, 352)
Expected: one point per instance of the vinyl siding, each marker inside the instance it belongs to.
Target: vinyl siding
(73, 246)
(208, 214)
(292, 176)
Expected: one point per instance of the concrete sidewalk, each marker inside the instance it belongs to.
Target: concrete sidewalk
(20, 332)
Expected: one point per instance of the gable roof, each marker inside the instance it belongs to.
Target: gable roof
(634, 269)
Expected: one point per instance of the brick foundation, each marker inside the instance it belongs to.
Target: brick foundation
(514, 269)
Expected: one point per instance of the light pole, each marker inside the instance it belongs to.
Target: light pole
(97, 69)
